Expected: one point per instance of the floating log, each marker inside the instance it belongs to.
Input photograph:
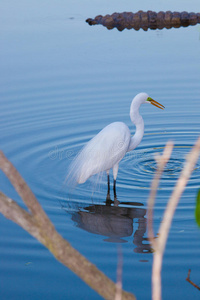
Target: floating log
(145, 20)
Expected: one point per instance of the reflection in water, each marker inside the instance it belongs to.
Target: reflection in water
(115, 221)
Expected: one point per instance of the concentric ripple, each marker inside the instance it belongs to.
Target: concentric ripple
(137, 168)
(47, 151)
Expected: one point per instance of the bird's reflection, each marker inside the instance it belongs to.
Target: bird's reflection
(115, 220)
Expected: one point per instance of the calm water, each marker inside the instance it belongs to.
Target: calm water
(61, 82)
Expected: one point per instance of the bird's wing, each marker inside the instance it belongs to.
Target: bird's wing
(102, 152)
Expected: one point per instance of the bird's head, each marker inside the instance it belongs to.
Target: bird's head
(155, 103)
(145, 98)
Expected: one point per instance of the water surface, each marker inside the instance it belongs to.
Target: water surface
(62, 81)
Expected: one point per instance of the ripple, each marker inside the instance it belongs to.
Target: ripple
(139, 166)
(136, 170)
(48, 149)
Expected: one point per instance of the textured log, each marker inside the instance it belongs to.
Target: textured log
(145, 20)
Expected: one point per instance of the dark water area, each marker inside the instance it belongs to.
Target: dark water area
(61, 82)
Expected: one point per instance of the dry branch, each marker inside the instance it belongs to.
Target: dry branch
(191, 282)
(23, 190)
(168, 216)
(191, 161)
(37, 223)
(161, 163)
(118, 295)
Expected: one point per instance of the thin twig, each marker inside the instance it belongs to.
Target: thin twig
(191, 282)
(191, 160)
(161, 163)
(118, 295)
(167, 219)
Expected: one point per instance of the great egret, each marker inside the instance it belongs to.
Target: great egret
(104, 151)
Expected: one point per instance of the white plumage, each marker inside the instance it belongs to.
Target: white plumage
(109, 146)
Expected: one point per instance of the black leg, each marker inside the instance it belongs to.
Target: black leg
(108, 184)
(108, 200)
(114, 189)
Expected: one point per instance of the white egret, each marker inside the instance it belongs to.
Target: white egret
(104, 151)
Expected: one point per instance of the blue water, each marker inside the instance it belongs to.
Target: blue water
(61, 82)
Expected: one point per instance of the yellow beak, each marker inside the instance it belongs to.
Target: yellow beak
(155, 103)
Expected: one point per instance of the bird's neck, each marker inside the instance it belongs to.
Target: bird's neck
(137, 119)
